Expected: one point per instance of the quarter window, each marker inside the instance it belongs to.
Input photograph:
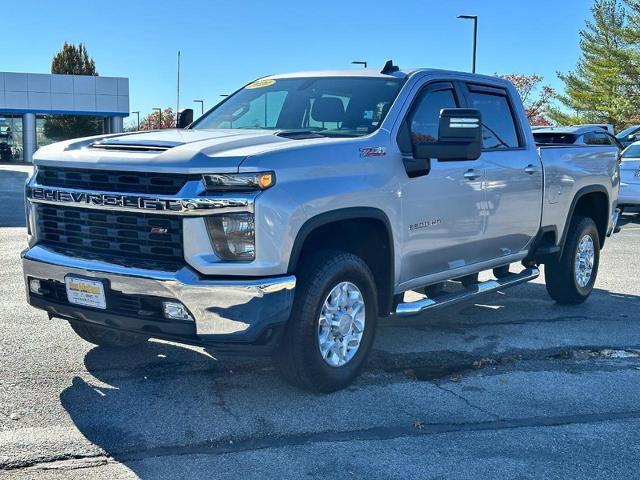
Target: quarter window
(498, 127)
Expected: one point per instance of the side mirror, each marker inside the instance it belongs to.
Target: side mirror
(631, 138)
(459, 136)
(185, 118)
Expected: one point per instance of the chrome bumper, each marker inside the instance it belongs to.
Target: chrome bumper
(223, 310)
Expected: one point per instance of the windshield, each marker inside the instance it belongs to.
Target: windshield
(328, 106)
(554, 138)
(632, 151)
(627, 131)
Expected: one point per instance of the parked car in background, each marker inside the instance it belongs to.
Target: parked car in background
(629, 135)
(607, 127)
(630, 177)
(577, 135)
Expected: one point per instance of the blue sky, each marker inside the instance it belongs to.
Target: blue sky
(226, 44)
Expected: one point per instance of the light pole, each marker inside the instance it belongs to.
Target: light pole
(160, 115)
(137, 115)
(475, 36)
(201, 102)
(360, 62)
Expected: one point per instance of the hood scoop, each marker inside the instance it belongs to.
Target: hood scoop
(138, 146)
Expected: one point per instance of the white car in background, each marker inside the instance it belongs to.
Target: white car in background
(630, 177)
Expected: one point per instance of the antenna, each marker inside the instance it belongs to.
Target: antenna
(389, 67)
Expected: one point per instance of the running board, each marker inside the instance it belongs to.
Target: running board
(414, 308)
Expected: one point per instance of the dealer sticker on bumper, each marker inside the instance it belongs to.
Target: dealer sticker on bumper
(88, 293)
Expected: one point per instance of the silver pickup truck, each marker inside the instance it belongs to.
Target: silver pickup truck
(290, 217)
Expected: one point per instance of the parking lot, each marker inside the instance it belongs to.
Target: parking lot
(512, 387)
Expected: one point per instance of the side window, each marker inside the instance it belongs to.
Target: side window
(425, 116)
(596, 138)
(498, 127)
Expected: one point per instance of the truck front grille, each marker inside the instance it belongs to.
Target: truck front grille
(113, 181)
(134, 236)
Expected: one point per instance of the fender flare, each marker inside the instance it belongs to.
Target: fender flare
(576, 198)
(349, 213)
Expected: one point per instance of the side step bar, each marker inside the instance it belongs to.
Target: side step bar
(414, 308)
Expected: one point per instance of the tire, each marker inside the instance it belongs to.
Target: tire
(564, 284)
(468, 280)
(298, 358)
(105, 337)
(434, 290)
(501, 272)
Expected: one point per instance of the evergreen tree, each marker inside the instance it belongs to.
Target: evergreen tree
(604, 86)
(72, 60)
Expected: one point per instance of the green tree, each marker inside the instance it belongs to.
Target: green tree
(604, 86)
(72, 60)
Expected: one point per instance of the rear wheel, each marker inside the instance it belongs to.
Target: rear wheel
(106, 337)
(570, 279)
(329, 335)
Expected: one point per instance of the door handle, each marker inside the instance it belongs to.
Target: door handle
(471, 174)
(531, 169)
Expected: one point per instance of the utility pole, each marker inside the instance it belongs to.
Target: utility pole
(201, 102)
(178, 92)
(475, 37)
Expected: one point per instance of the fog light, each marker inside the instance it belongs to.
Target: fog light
(175, 311)
(34, 285)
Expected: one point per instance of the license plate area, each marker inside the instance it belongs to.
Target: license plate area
(85, 292)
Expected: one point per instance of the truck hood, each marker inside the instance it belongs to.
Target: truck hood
(175, 150)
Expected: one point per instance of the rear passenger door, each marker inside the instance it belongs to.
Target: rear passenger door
(512, 175)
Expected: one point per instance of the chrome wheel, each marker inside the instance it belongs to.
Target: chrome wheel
(585, 257)
(341, 324)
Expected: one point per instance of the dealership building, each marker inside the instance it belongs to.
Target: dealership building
(26, 99)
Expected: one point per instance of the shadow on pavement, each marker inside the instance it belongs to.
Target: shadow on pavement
(161, 399)
(12, 198)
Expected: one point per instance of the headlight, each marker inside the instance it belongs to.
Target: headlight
(232, 236)
(239, 182)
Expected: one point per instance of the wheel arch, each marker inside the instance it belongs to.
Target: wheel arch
(359, 223)
(591, 201)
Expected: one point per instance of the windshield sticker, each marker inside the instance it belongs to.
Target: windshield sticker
(367, 115)
(267, 82)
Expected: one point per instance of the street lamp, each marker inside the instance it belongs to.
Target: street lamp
(475, 36)
(160, 115)
(201, 102)
(360, 62)
(138, 115)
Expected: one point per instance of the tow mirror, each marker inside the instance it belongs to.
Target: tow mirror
(185, 118)
(459, 136)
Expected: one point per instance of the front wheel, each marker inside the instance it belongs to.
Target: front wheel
(329, 335)
(570, 279)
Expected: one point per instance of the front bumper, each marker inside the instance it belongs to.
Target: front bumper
(224, 310)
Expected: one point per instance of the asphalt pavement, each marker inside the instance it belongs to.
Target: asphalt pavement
(512, 386)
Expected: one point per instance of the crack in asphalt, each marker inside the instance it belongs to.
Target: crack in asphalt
(467, 401)
(232, 445)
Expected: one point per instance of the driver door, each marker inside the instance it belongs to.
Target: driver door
(442, 210)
